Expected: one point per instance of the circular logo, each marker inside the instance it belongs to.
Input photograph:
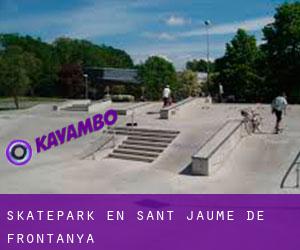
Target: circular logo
(19, 152)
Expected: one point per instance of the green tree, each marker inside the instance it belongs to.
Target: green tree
(282, 51)
(156, 73)
(44, 69)
(85, 53)
(188, 82)
(238, 68)
(45, 61)
(14, 79)
(200, 66)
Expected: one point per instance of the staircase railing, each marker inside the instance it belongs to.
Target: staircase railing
(294, 166)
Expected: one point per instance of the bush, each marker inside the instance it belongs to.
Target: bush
(122, 98)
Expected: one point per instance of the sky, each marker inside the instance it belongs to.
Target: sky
(173, 29)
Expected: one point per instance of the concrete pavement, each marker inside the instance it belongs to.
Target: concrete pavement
(256, 166)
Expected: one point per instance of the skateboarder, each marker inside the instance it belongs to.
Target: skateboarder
(279, 105)
(166, 96)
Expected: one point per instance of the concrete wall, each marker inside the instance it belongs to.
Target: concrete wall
(211, 156)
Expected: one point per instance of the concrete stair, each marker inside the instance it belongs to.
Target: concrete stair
(142, 148)
(142, 144)
(157, 131)
(139, 133)
(149, 139)
(135, 152)
(150, 144)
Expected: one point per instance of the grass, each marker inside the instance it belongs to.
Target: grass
(7, 103)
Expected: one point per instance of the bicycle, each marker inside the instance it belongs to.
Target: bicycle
(252, 121)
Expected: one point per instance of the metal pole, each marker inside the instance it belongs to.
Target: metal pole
(297, 174)
(207, 24)
(86, 86)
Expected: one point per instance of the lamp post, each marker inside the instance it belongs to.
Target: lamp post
(207, 25)
(86, 86)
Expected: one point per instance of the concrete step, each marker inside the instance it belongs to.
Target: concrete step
(138, 133)
(146, 143)
(135, 152)
(147, 130)
(150, 139)
(142, 148)
(131, 157)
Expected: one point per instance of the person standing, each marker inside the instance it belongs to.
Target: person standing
(221, 92)
(279, 105)
(166, 96)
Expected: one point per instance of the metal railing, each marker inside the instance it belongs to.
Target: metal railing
(296, 167)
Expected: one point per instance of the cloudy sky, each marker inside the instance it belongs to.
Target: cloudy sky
(170, 28)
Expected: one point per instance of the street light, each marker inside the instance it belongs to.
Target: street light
(86, 86)
(207, 24)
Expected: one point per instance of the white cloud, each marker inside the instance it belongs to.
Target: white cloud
(219, 29)
(176, 21)
(160, 36)
(230, 28)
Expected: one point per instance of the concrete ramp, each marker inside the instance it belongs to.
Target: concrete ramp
(217, 148)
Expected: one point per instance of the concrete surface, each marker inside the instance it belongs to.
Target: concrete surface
(256, 166)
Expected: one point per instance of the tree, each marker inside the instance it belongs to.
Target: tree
(14, 79)
(43, 72)
(200, 66)
(238, 68)
(188, 82)
(45, 61)
(85, 53)
(156, 73)
(282, 51)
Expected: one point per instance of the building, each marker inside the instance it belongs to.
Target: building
(112, 76)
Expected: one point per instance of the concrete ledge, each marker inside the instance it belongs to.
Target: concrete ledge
(130, 109)
(168, 112)
(70, 103)
(99, 105)
(215, 151)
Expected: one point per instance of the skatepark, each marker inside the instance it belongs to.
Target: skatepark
(164, 153)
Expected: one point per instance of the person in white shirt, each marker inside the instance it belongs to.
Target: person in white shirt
(221, 92)
(279, 105)
(166, 96)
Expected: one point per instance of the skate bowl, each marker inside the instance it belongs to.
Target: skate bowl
(214, 152)
(169, 112)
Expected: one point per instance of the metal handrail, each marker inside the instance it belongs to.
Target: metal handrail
(295, 163)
